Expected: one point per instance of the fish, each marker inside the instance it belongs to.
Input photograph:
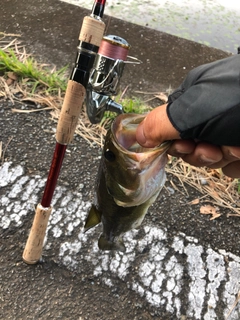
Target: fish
(129, 179)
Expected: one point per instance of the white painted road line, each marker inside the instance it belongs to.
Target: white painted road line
(177, 273)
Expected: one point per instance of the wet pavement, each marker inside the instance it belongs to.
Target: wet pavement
(178, 265)
(213, 23)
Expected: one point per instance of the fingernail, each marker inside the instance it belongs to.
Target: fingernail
(232, 154)
(180, 152)
(204, 159)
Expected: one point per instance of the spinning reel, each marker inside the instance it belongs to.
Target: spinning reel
(105, 77)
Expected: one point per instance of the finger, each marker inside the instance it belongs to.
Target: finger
(232, 169)
(156, 128)
(180, 148)
(204, 154)
(231, 153)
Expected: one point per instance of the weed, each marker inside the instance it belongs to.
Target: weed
(37, 75)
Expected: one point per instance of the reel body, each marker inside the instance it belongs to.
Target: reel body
(105, 77)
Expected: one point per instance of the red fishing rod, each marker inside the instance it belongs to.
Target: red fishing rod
(90, 37)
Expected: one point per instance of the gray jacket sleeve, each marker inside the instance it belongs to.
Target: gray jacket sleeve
(207, 104)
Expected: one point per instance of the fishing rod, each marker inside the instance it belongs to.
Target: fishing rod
(90, 37)
(95, 77)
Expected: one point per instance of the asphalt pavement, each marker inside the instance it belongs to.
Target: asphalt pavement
(178, 265)
(213, 23)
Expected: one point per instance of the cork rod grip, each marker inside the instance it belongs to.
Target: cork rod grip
(92, 31)
(70, 112)
(33, 249)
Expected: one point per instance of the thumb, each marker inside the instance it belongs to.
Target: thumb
(156, 128)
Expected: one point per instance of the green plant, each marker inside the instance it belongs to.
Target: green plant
(238, 185)
(32, 72)
(130, 105)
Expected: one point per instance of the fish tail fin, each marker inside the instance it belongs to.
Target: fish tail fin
(93, 218)
(105, 244)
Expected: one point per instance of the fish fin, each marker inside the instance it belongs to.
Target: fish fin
(104, 244)
(93, 218)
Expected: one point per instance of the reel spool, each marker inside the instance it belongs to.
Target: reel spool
(105, 77)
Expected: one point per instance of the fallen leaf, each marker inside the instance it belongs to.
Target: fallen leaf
(208, 209)
(12, 75)
(215, 216)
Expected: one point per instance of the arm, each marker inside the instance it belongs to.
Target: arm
(207, 104)
(203, 128)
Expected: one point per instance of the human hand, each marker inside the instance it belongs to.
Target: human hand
(156, 128)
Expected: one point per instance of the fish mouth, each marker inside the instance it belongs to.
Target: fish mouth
(124, 137)
(140, 171)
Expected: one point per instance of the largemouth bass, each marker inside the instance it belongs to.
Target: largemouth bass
(129, 180)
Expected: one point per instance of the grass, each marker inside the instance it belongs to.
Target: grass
(130, 105)
(36, 74)
(14, 59)
(39, 79)
(24, 79)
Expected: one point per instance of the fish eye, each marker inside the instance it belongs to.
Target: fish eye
(109, 155)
